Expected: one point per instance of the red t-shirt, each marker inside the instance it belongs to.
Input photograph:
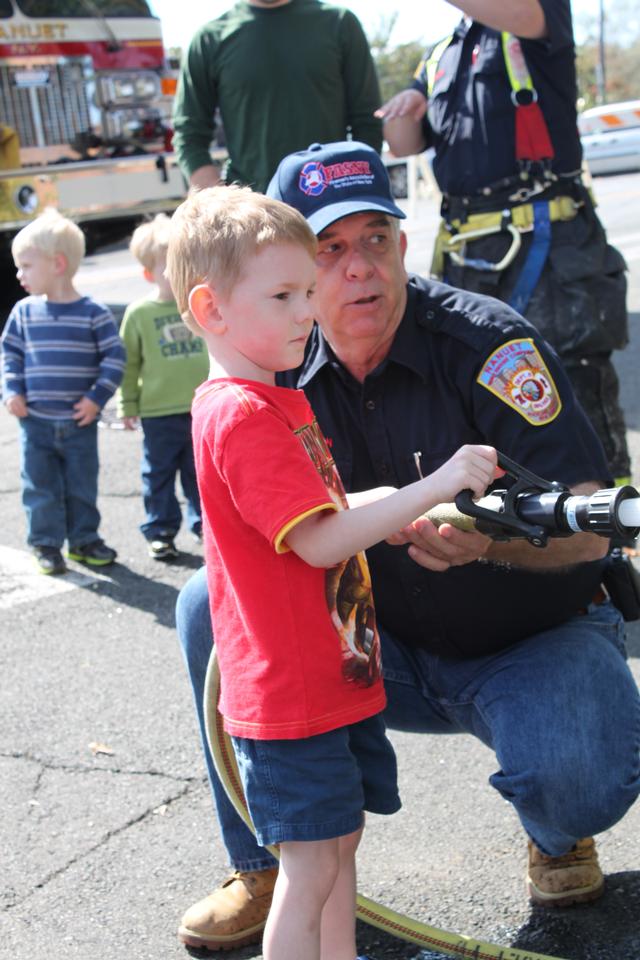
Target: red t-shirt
(298, 646)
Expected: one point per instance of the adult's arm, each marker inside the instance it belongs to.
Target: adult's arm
(403, 113)
(193, 112)
(524, 18)
(402, 116)
(206, 176)
(444, 547)
(361, 88)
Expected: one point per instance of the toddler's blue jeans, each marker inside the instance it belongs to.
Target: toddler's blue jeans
(59, 463)
(167, 451)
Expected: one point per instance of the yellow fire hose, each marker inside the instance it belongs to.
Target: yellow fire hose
(396, 924)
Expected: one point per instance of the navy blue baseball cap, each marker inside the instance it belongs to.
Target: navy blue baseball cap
(333, 180)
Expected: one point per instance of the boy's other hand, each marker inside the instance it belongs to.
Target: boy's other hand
(130, 423)
(17, 405)
(85, 411)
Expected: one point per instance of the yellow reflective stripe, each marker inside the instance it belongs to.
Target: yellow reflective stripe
(431, 65)
(514, 61)
(278, 542)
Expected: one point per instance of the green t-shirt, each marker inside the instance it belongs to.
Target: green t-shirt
(165, 361)
(284, 78)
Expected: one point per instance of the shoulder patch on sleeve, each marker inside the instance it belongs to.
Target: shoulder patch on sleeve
(517, 375)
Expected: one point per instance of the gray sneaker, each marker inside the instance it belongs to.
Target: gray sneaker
(163, 550)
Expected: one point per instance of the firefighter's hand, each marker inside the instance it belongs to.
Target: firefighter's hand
(439, 548)
(17, 405)
(408, 103)
(85, 411)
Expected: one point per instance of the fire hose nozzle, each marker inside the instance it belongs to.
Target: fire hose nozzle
(535, 509)
(614, 511)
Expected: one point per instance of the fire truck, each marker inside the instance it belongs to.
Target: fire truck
(85, 103)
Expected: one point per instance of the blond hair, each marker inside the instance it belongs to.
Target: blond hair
(215, 231)
(50, 234)
(150, 240)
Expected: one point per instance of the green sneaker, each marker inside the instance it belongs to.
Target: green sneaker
(49, 560)
(94, 554)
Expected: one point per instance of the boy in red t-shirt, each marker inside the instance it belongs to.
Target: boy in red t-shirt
(290, 591)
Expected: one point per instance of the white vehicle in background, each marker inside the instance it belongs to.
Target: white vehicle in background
(610, 137)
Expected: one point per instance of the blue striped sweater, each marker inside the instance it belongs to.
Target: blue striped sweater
(55, 353)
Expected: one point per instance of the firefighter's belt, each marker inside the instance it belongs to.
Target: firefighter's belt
(454, 234)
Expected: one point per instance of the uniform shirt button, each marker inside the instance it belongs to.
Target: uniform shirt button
(430, 314)
(416, 591)
(370, 404)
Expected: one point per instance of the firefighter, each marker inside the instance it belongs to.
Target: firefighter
(497, 102)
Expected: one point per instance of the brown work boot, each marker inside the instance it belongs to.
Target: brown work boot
(233, 915)
(575, 877)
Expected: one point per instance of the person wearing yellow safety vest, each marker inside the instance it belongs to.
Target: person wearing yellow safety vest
(497, 102)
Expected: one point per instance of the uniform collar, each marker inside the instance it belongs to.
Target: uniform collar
(407, 348)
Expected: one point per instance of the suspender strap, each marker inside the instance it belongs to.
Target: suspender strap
(538, 251)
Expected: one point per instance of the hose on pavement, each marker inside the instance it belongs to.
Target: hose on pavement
(376, 915)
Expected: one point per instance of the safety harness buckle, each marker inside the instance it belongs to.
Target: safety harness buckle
(460, 239)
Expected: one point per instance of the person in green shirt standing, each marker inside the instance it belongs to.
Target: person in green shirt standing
(284, 74)
(165, 364)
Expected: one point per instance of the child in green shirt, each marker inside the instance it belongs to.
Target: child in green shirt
(165, 364)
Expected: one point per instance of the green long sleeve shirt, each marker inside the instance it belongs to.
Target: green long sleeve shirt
(165, 361)
(283, 78)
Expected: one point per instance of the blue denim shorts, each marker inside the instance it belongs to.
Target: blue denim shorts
(316, 788)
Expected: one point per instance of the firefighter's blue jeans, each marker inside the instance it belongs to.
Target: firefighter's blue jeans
(560, 710)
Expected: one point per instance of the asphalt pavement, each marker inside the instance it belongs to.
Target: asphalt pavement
(107, 833)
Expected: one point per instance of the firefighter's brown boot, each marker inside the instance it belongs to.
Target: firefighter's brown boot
(233, 915)
(575, 877)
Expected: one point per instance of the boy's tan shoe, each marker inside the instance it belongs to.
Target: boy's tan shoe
(575, 877)
(233, 915)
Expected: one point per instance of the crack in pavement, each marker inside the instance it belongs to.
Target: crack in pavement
(187, 785)
(83, 768)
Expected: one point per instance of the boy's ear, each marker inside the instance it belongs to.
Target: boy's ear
(203, 304)
(146, 273)
(60, 263)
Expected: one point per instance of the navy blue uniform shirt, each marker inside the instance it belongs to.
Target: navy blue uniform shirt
(419, 406)
(471, 119)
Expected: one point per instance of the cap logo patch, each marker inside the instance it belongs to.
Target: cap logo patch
(517, 375)
(315, 177)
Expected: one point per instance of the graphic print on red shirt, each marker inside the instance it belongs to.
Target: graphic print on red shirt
(298, 646)
(348, 584)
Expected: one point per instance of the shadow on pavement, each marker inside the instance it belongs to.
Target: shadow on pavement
(142, 592)
(606, 928)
